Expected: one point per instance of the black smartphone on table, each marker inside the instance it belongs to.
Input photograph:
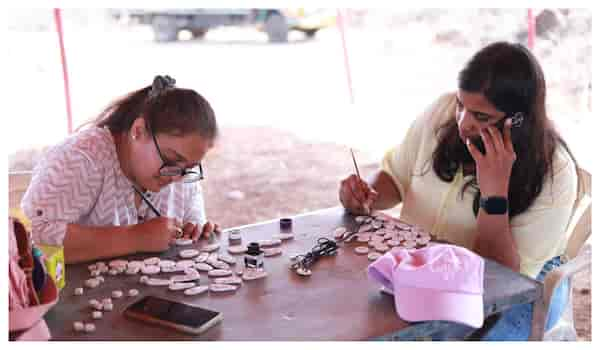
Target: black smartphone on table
(173, 314)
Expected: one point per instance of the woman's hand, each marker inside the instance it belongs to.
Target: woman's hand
(156, 234)
(194, 232)
(494, 168)
(356, 195)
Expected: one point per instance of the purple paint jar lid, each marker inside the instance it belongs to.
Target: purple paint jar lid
(285, 223)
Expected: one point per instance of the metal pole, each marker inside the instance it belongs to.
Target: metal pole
(530, 29)
(63, 57)
(340, 24)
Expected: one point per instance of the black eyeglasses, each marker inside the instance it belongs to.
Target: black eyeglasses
(192, 174)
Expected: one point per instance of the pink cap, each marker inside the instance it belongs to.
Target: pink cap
(439, 282)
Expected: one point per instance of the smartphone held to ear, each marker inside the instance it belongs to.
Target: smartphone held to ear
(172, 314)
(516, 124)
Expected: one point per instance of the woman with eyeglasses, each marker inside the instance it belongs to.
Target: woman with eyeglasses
(483, 167)
(129, 182)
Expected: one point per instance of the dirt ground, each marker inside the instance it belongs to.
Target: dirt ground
(276, 173)
(582, 305)
(256, 174)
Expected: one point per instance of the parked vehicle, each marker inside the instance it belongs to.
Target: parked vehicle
(276, 23)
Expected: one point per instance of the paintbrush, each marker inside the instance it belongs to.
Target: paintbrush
(364, 205)
(156, 212)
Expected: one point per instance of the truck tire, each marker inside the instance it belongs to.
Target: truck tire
(164, 29)
(310, 33)
(276, 28)
(199, 33)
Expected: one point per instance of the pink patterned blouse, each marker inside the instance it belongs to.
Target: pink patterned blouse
(80, 181)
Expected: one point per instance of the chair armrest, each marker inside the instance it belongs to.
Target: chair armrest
(582, 261)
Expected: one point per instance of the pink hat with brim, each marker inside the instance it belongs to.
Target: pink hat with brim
(439, 282)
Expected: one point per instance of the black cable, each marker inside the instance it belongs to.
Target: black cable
(324, 247)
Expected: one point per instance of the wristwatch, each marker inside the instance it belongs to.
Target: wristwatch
(494, 205)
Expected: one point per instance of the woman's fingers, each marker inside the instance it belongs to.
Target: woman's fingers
(356, 195)
(188, 229)
(486, 137)
(496, 138)
(194, 234)
(207, 229)
(348, 197)
(175, 228)
(359, 189)
(474, 151)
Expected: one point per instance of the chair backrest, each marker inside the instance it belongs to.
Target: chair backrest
(17, 186)
(580, 224)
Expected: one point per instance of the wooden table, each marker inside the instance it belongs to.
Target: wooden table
(338, 302)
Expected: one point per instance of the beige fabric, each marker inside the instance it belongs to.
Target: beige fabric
(437, 206)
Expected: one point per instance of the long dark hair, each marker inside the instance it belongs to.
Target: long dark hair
(510, 77)
(165, 108)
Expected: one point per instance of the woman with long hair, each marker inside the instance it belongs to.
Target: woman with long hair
(483, 167)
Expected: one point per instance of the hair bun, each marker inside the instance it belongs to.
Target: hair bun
(160, 84)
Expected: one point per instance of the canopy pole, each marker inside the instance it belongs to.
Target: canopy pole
(340, 25)
(530, 29)
(63, 57)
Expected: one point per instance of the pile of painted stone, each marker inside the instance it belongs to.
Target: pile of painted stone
(379, 233)
(186, 272)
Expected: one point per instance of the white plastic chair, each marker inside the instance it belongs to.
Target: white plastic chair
(579, 258)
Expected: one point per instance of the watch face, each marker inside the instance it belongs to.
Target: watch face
(494, 205)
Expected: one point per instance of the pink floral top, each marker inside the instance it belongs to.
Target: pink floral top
(80, 181)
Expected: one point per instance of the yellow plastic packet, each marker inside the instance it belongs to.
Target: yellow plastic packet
(55, 263)
(54, 255)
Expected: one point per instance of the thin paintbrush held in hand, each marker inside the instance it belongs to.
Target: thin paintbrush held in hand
(156, 212)
(366, 207)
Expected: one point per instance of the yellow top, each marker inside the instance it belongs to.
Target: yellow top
(437, 206)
